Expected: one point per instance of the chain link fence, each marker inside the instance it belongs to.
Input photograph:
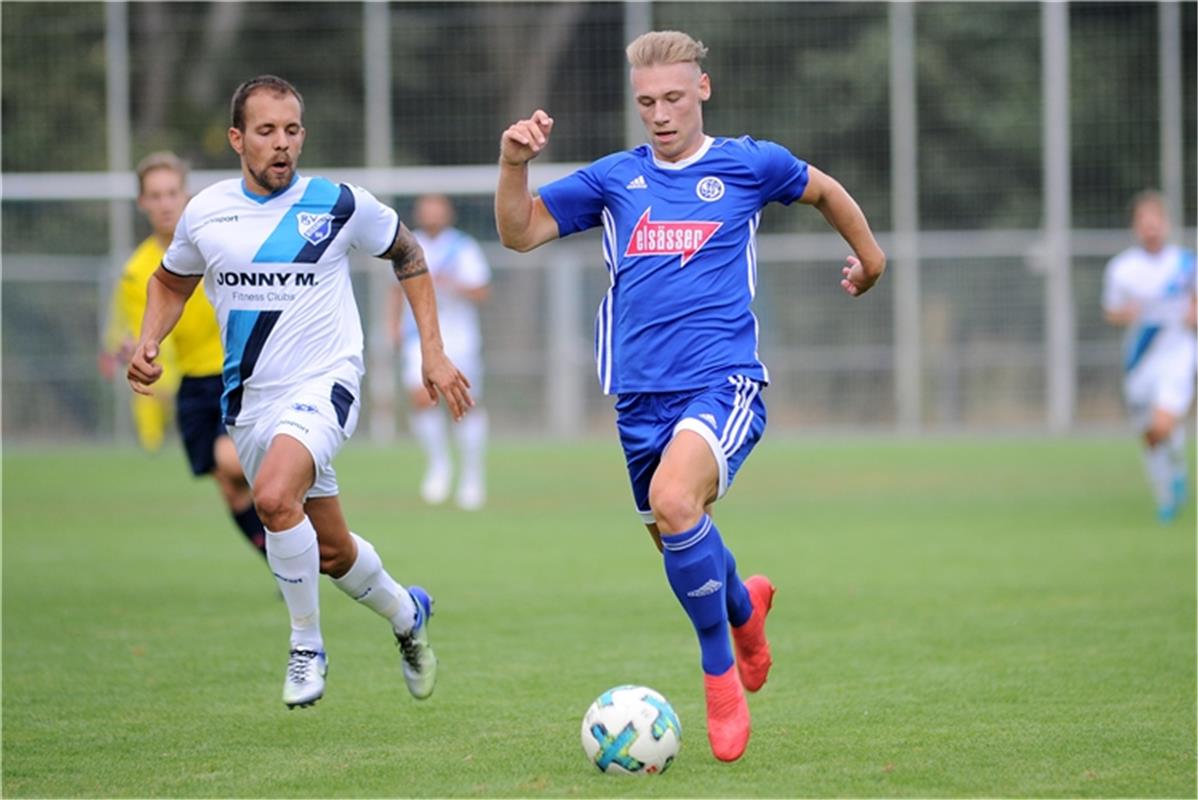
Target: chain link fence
(89, 87)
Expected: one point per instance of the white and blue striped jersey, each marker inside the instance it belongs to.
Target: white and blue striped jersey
(454, 256)
(1161, 285)
(679, 240)
(276, 269)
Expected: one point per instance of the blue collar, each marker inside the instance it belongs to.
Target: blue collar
(262, 198)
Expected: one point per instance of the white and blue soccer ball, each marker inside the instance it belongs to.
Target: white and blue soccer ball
(631, 730)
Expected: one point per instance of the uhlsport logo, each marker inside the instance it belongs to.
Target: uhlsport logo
(710, 189)
(662, 238)
(315, 227)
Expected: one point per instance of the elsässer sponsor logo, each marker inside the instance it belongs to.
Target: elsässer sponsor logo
(668, 237)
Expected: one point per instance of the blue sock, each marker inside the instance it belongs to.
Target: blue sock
(695, 568)
(740, 605)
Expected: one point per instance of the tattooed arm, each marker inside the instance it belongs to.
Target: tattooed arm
(440, 375)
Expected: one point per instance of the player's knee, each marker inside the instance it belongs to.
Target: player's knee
(276, 508)
(1155, 435)
(674, 508)
(1159, 430)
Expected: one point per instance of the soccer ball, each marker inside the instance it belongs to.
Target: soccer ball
(631, 730)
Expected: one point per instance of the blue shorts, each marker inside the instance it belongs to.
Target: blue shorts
(197, 410)
(730, 417)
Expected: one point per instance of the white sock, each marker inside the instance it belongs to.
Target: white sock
(1177, 450)
(369, 584)
(1159, 463)
(295, 560)
(471, 435)
(428, 426)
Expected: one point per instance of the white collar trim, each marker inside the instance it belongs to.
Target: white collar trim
(686, 162)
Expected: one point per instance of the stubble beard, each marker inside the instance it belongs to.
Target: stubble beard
(267, 181)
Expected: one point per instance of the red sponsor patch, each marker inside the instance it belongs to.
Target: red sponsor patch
(662, 238)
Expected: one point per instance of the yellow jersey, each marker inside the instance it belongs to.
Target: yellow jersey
(194, 345)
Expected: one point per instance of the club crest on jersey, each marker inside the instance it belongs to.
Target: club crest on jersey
(662, 238)
(315, 228)
(710, 189)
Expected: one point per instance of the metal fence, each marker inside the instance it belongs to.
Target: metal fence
(993, 146)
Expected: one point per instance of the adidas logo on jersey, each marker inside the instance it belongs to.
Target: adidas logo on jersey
(637, 183)
(711, 587)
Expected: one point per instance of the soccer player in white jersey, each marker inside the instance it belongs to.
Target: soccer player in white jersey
(676, 338)
(1149, 289)
(272, 248)
(462, 277)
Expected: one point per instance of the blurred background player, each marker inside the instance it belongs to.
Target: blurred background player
(161, 201)
(1149, 289)
(194, 352)
(676, 337)
(462, 279)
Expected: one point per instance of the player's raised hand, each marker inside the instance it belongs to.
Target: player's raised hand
(857, 280)
(142, 369)
(524, 140)
(440, 375)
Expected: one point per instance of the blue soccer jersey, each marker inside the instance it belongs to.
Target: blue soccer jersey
(679, 241)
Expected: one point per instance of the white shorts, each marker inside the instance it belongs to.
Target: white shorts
(1165, 381)
(468, 361)
(321, 414)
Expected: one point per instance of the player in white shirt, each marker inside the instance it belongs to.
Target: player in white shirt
(462, 278)
(273, 250)
(1149, 289)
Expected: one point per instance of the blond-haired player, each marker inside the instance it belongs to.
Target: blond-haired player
(192, 374)
(676, 338)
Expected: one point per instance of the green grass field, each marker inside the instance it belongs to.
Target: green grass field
(1001, 619)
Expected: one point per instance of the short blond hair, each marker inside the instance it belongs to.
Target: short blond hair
(665, 47)
(163, 159)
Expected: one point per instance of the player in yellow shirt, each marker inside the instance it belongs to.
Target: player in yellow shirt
(194, 347)
(151, 415)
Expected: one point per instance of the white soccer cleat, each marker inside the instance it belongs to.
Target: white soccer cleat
(305, 677)
(471, 495)
(434, 489)
(419, 661)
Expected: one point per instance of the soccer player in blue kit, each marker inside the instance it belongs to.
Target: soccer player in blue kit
(675, 336)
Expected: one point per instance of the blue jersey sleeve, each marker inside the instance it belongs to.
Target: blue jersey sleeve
(576, 201)
(783, 176)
